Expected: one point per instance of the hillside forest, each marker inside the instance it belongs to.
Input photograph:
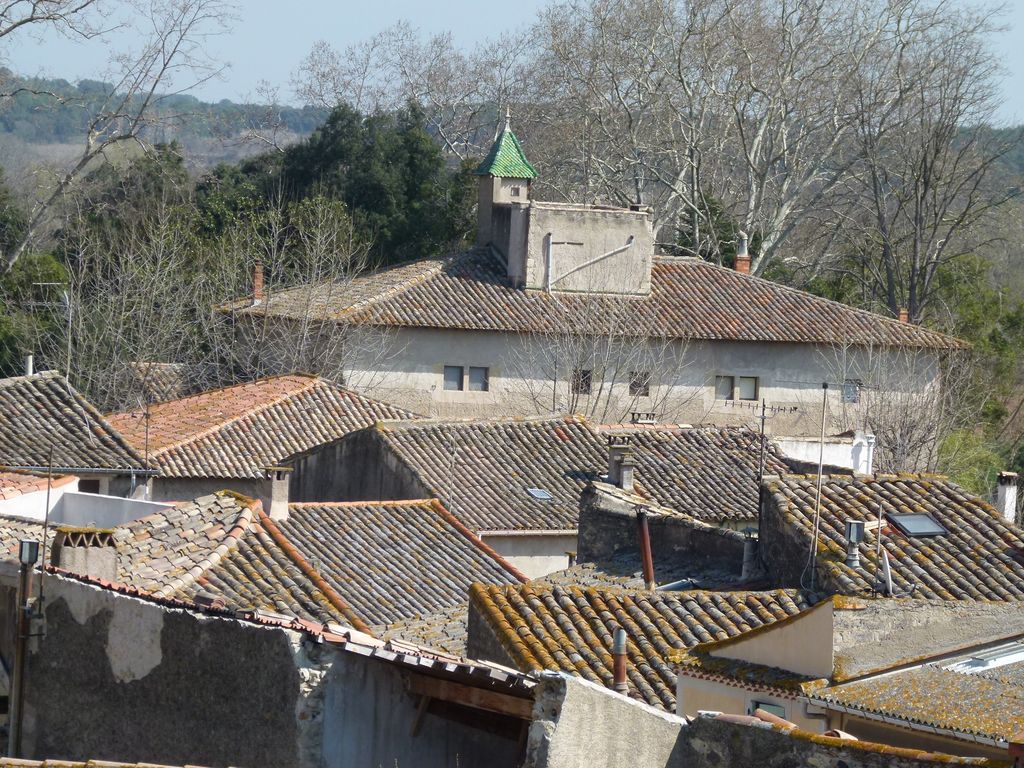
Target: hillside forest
(854, 140)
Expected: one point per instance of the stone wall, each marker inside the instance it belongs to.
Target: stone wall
(608, 526)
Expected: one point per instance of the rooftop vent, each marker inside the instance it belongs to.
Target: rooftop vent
(854, 536)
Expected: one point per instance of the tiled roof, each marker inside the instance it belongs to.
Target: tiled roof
(929, 696)
(481, 470)
(43, 411)
(394, 560)
(445, 630)
(571, 628)
(506, 158)
(238, 431)
(708, 473)
(225, 546)
(13, 484)
(162, 381)
(690, 299)
(981, 556)
(13, 530)
(13, 762)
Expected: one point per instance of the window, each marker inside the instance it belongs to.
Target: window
(640, 383)
(581, 381)
(515, 191)
(453, 377)
(479, 379)
(918, 524)
(723, 388)
(772, 709)
(748, 388)
(851, 391)
(540, 494)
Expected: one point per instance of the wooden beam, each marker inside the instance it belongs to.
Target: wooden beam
(457, 693)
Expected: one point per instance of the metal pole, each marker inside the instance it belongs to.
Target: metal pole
(646, 558)
(20, 653)
(817, 491)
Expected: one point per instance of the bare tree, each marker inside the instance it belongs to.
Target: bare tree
(171, 58)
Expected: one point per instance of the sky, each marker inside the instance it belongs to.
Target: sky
(267, 42)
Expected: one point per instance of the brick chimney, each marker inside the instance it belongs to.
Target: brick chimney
(904, 315)
(742, 256)
(258, 293)
(1006, 496)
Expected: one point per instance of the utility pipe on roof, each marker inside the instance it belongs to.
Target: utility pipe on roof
(645, 547)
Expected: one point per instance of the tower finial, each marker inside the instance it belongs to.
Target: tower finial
(508, 117)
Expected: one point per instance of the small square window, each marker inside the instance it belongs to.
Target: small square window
(581, 381)
(479, 379)
(453, 377)
(748, 388)
(723, 388)
(515, 191)
(640, 383)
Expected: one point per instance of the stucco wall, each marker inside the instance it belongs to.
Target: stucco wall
(117, 678)
(535, 556)
(33, 505)
(695, 694)
(188, 488)
(354, 468)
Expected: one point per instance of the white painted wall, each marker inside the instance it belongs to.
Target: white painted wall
(32, 506)
(535, 555)
(68, 507)
(856, 453)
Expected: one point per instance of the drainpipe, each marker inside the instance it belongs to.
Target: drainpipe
(645, 547)
(619, 661)
(28, 553)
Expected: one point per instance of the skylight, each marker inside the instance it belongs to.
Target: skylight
(540, 494)
(917, 524)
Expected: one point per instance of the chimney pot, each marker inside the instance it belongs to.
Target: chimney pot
(29, 365)
(619, 661)
(258, 293)
(1006, 496)
(275, 496)
(904, 315)
(742, 256)
(627, 468)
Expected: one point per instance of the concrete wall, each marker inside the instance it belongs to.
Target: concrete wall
(33, 505)
(585, 248)
(855, 453)
(188, 488)
(578, 724)
(695, 694)
(534, 555)
(89, 509)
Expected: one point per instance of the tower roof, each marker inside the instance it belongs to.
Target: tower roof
(507, 158)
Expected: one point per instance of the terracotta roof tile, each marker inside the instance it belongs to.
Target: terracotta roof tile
(13, 484)
(690, 299)
(238, 431)
(394, 560)
(981, 556)
(571, 628)
(481, 470)
(43, 410)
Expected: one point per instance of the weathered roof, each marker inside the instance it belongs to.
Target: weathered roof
(689, 299)
(445, 630)
(506, 158)
(159, 382)
(238, 431)
(967, 704)
(707, 473)
(980, 557)
(224, 546)
(481, 470)
(394, 560)
(43, 411)
(571, 628)
(17, 762)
